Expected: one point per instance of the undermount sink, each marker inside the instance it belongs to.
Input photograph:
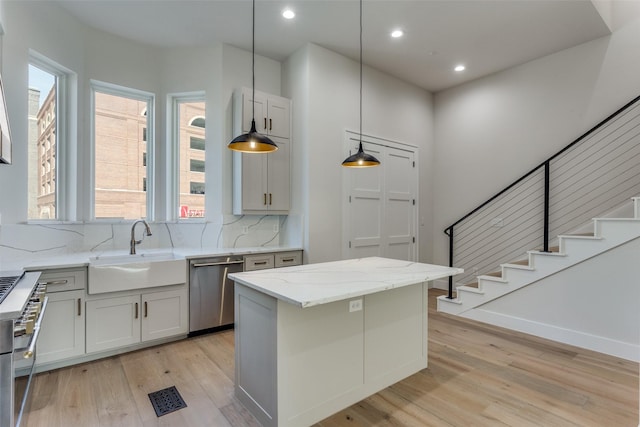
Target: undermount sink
(112, 273)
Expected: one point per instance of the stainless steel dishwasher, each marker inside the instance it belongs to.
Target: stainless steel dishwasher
(211, 293)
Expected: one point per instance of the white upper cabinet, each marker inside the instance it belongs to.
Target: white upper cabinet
(262, 182)
(272, 113)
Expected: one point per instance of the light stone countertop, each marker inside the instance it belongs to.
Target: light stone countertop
(82, 259)
(314, 284)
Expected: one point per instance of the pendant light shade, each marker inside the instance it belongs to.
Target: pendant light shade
(253, 142)
(360, 159)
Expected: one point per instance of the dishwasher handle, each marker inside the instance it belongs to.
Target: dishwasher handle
(212, 264)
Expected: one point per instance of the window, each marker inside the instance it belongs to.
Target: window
(196, 187)
(121, 117)
(43, 101)
(196, 165)
(189, 152)
(196, 143)
(197, 122)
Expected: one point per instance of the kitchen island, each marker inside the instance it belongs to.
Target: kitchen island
(313, 339)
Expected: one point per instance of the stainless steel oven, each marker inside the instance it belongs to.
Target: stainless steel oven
(22, 305)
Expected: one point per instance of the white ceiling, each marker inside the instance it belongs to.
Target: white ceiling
(487, 36)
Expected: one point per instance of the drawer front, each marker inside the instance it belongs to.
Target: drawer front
(285, 259)
(64, 280)
(258, 262)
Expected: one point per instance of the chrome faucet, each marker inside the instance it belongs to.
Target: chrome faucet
(134, 242)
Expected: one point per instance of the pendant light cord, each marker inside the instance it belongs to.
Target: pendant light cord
(361, 74)
(253, 62)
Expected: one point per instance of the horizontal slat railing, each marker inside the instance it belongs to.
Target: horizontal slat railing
(594, 174)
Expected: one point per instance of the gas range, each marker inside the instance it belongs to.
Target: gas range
(22, 306)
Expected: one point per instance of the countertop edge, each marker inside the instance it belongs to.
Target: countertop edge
(237, 277)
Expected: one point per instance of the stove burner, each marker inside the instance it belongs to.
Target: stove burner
(6, 284)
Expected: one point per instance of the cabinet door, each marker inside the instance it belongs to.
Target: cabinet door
(164, 314)
(113, 323)
(254, 181)
(62, 333)
(278, 117)
(278, 177)
(248, 111)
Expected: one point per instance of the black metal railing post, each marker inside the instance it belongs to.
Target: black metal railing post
(449, 232)
(546, 207)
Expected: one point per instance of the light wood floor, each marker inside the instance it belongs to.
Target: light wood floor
(478, 375)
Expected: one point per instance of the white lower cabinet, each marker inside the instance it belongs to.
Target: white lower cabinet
(62, 334)
(121, 321)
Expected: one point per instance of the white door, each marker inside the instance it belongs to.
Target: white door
(380, 213)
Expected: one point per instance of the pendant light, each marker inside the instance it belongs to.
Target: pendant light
(253, 142)
(360, 159)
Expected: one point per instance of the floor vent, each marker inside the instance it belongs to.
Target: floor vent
(166, 400)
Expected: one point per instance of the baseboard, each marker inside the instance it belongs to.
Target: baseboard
(600, 344)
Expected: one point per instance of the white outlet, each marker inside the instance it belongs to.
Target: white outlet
(497, 222)
(245, 229)
(355, 305)
(276, 228)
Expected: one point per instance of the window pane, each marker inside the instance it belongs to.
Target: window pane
(192, 159)
(196, 143)
(41, 176)
(197, 187)
(196, 165)
(120, 166)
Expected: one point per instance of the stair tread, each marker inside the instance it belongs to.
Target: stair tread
(494, 274)
(520, 262)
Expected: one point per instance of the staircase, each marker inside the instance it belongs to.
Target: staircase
(608, 233)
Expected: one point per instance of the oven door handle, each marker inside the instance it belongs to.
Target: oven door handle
(28, 353)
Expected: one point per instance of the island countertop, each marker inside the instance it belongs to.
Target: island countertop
(314, 284)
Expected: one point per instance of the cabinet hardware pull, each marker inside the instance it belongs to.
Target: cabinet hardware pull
(260, 263)
(211, 264)
(287, 259)
(265, 123)
(270, 125)
(146, 310)
(54, 282)
(136, 316)
(79, 306)
(264, 198)
(270, 199)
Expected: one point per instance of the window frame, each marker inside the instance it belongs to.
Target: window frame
(65, 108)
(139, 95)
(173, 149)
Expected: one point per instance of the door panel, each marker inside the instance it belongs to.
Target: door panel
(366, 216)
(381, 209)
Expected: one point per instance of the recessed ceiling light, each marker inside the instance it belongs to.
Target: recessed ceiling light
(460, 68)
(397, 33)
(288, 14)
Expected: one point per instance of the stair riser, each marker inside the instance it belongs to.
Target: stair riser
(617, 231)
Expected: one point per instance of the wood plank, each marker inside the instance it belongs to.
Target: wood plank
(478, 374)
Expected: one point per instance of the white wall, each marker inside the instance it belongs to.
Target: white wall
(92, 54)
(325, 91)
(491, 131)
(586, 305)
